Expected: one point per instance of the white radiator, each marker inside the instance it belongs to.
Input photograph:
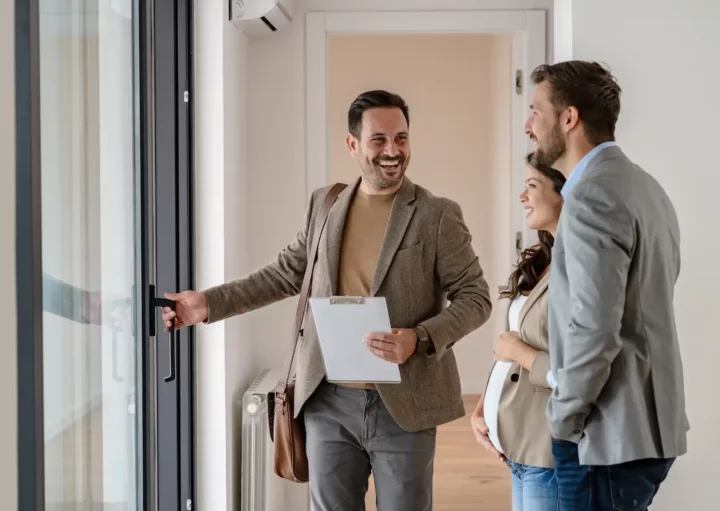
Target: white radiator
(262, 489)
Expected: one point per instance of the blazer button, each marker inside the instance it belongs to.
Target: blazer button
(514, 377)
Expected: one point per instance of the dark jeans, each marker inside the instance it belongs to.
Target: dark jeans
(626, 487)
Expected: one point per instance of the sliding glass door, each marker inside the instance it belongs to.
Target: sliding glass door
(108, 396)
(91, 372)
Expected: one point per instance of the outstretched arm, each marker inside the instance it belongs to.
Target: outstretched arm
(280, 279)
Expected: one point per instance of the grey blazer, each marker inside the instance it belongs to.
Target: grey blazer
(425, 260)
(613, 343)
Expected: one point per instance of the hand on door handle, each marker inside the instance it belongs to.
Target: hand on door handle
(190, 308)
(164, 302)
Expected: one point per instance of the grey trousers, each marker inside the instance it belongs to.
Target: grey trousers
(350, 434)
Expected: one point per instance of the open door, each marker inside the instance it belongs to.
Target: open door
(529, 52)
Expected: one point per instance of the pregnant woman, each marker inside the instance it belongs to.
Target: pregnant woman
(509, 420)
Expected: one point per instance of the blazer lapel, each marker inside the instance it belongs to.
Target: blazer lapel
(536, 293)
(333, 235)
(400, 215)
(504, 311)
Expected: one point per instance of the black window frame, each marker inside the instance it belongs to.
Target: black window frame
(28, 254)
(171, 190)
(166, 24)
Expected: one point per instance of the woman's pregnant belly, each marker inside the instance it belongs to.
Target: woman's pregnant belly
(492, 400)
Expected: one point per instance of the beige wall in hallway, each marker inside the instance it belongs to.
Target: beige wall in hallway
(8, 318)
(458, 89)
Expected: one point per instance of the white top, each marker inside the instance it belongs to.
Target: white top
(498, 376)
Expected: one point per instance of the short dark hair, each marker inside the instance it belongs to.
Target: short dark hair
(589, 87)
(373, 99)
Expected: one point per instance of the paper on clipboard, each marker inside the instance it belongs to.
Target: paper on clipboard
(342, 324)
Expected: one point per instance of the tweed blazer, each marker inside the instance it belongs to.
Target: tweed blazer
(426, 260)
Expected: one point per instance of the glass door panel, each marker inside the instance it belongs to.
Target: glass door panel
(89, 255)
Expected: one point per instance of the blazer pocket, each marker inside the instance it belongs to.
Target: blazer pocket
(541, 390)
(411, 251)
(429, 382)
(408, 275)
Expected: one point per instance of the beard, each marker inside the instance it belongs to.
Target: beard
(380, 178)
(551, 150)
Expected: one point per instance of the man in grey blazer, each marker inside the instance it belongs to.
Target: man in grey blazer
(385, 236)
(617, 409)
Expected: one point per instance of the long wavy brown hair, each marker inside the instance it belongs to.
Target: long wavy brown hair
(534, 260)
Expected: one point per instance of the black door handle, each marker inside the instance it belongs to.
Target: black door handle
(165, 302)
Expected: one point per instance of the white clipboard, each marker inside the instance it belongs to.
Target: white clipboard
(342, 323)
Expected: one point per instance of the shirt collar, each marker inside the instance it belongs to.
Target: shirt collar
(581, 167)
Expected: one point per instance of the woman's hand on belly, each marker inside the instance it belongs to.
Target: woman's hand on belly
(481, 434)
(509, 347)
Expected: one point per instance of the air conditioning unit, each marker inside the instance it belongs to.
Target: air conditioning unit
(262, 489)
(260, 17)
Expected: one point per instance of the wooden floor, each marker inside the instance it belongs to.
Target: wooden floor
(467, 478)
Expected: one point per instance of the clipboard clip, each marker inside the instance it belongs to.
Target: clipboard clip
(347, 300)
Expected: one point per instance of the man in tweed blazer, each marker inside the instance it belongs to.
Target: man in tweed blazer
(385, 236)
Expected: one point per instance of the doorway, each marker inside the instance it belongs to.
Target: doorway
(465, 79)
(104, 221)
(460, 134)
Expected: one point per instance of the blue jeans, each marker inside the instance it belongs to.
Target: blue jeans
(626, 487)
(533, 488)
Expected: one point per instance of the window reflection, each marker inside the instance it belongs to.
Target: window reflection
(88, 226)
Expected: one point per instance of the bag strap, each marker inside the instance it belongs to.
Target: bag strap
(305, 290)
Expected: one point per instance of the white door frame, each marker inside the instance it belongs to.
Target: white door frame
(528, 52)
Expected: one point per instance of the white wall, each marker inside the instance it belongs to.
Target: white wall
(224, 355)
(665, 55)
(562, 36)
(8, 317)
(460, 133)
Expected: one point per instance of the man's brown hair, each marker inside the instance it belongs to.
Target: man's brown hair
(589, 87)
